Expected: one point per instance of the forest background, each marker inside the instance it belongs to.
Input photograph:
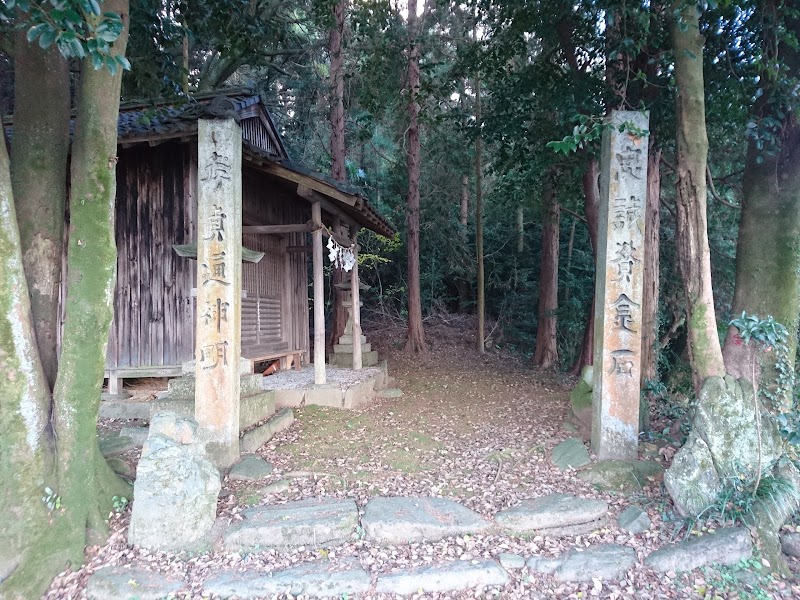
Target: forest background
(474, 127)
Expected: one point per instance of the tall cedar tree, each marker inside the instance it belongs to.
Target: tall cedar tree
(338, 151)
(415, 340)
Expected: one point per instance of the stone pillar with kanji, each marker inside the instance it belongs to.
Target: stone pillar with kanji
(219, 287)
(619, 284)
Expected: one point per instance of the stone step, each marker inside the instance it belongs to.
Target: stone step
(443, 577)
(348, 339)
(137, 434)
(723, 547)
(313, 579)
(555, 515)
(252, 439)
(115, 445)
(117, 583)
(318, 522)
(124, 409)
(602, 561)
(402, 520)
(250, 468)
(570, 454)
(252, 409)
(345, 361)
(184, 387)
(341, 348)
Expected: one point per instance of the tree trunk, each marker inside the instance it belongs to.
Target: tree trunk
(767, 256)
(480, 335)
(463, 209)
(39, 152)
(31, 551)
(338, 154)
(652, 219)
(546, 353)
(694, 258)
(86, 481)
(591, 208)
(415, 342)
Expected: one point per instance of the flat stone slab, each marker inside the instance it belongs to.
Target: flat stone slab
(570, 454)
(790, 544)
(113, 583)
(124, 409)
(511, 562)
(603, 561)
(250, 468)
(276, 487)
(252, 440)
(115, 445)
(443, 577)
(137, 434)
(315, 579)
(555, 515)
(622, 477)
(390, 393)
(401, 520)
(634, 520)
(313, 522)
(723, 547)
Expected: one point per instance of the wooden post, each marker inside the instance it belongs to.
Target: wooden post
(319, 297)
(355, 293)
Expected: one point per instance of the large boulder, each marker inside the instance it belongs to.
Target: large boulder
(176, 488)
(724, 442)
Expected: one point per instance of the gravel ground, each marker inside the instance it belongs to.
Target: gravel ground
(477, 429)
(288, 380)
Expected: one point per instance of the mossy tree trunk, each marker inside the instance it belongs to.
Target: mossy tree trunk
(768, 246)
(50, 441)
(39, 148)
(694, 257)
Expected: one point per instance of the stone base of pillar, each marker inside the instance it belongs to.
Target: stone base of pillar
(344, 360)
(342, 355)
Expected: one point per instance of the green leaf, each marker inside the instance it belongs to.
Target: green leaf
(47, 38)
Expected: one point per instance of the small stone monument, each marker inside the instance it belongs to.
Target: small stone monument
(619, 282)
(343, 351)
(219, 286)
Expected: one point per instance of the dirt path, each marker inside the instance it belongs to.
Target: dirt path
(475, 429)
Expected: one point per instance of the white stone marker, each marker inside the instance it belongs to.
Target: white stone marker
(219, 287)
(618, 292)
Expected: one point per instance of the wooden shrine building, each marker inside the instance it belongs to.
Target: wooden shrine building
(153, 332)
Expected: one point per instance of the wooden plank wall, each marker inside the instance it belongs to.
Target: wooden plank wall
(280, 277)
(153, 306)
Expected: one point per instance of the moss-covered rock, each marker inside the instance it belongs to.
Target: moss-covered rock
(724, 442)
(622, 477)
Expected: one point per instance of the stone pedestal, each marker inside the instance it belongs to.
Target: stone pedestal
(343, 351)
(219, 287)
(618, 292)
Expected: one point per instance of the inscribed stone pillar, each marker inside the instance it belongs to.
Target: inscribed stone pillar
(219, 286)
(618, 292)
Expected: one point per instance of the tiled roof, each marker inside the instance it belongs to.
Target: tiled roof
(137, 120)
